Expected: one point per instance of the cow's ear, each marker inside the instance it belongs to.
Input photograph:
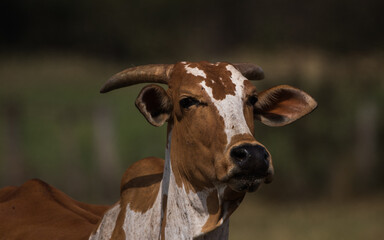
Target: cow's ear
(281, 105)
(155, 104)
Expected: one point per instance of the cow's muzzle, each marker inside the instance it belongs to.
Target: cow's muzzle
(252, 167)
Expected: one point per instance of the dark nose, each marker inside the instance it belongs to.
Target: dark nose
(252, 159)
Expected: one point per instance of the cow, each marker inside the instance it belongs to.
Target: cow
(212, 159)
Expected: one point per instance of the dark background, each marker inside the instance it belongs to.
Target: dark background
(54, 125)
(150, 29)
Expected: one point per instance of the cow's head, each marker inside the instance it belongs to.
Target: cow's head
(211, 109)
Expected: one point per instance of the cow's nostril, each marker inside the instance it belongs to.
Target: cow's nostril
(251, 158)
(239, 154)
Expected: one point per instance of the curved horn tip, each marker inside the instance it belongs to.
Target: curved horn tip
(152, 73)
(107, 87)
(103, 90)
(260, 73)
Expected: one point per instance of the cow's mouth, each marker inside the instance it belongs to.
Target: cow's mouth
(248, 182)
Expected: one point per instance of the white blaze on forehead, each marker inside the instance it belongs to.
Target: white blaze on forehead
(231, 107)
(195, 71)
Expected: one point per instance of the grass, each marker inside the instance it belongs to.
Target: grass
(353, 219)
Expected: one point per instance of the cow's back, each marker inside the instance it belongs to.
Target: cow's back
(36, 210)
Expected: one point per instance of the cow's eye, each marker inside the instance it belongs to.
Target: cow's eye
(252, 100)
(188, 101)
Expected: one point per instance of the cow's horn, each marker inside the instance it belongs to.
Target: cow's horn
(250, 71)
(154, 73)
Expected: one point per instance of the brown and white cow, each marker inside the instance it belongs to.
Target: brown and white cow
(212, 157)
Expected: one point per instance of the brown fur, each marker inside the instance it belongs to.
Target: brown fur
(37, 210)
(142, 179)
(218, 78)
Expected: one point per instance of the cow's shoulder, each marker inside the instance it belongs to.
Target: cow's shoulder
(45, 213)
(141, 183)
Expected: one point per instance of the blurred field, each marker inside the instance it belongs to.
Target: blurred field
(355, 219)
(54, 125)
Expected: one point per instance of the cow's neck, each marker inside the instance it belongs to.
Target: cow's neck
(189, 213)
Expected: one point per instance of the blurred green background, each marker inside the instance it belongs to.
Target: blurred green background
(54, 125)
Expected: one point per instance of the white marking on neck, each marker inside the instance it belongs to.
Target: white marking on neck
(144, 225)
(231, 107)
(195, 71)
(107, 225)
(186, 213)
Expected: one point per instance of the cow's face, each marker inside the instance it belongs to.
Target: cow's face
(211, 109)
